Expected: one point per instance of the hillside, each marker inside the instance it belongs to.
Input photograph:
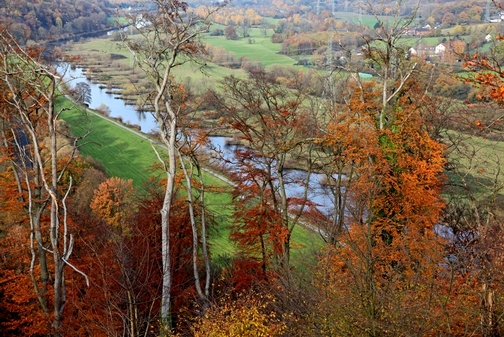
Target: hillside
(54, 19)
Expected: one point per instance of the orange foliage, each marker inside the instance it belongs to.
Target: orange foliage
(21, 312)
(113, 202)
(488, 77)
(388, 257)
(245, 316)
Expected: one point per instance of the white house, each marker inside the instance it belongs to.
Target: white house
(440, 49)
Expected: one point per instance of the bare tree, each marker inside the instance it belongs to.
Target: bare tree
(388, 54)
(270, 118)
(83, 93)
(33, 125)
(168, 39)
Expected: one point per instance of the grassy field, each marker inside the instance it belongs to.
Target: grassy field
(480, 165)
(122, 153)
(257, 47)
(365, 19)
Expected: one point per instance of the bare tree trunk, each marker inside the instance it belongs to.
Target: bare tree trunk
(33, 89)
(165, 226)
(171, 31)
(488, 316)
(204, 243)
(194, 228)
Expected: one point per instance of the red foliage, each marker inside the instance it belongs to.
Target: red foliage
(21, 311)
(257, 230)
(247, 272)
(126, 272)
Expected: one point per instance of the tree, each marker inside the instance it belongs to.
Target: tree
(266, 111)
(230, 32)
(463, 17)
(386, 256)
(386, 252)
(448, 19)
(21, 313)
(475, 13)
(113, 202)
(83, 93)
(244, 29)
(41, 171)
(458, 30)
(125, 274)
(385, 51)
(168, 40)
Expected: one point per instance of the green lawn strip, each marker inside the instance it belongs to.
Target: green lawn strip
(415, 41)
(122, 153)
(365, 19)
(101, 46)
(128, 156)
(271, 20)
(304, 244)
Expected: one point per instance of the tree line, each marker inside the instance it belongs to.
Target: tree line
(54, 19)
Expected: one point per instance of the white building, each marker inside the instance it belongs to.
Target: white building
(440, 49)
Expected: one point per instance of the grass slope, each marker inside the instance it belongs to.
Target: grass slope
(122, 153)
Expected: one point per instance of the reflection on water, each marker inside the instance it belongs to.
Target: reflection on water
(117, 106)
(318, 193)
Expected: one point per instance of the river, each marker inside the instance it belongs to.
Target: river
(318, 192)
(117, 106)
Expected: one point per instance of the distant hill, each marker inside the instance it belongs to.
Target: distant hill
(38, 20)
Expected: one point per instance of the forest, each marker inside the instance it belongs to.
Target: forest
(406, 146)
(49, 20)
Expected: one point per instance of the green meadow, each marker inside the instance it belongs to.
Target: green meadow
(122, 153)
(481, 166)
(257, 47)
(365, 19)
